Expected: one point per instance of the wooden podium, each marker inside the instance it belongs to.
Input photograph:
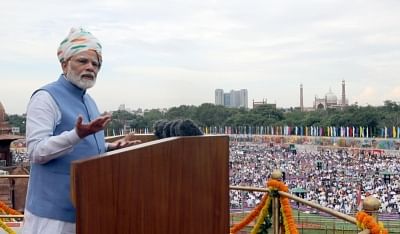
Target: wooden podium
(174, 185)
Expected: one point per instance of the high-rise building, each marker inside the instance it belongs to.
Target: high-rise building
(235, 98)
(243, 98)
(121, 107)
(227, 99)
(219, 97)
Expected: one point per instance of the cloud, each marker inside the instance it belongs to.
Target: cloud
(394, 94)
(367, 96)
(197, 46)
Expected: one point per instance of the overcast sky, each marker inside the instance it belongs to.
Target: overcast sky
(164, 53)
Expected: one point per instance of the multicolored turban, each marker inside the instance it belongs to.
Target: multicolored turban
(78, 40)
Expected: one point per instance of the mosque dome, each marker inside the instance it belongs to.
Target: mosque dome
(331, 98)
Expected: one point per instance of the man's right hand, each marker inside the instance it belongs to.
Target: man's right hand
(84, 130)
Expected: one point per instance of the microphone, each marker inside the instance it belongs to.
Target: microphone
(179, 127)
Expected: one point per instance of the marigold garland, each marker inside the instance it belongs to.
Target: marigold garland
(261, 218)
(3, 212)
(288, 221)
(286, 209)
(277, 185)
(7, 210)
(250, 217)
(366, 221)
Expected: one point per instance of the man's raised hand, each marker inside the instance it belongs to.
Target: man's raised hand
(93, 126)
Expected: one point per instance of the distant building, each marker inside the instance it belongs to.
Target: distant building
(5, 128)
(219, 97)
(6, 138)
(227, 99)
(121, 107)
(235, 98)
(263, 103)
(329, 101)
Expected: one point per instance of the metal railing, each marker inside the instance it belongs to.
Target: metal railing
(311, 224)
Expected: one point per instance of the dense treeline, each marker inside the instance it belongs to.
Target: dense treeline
(17, 121)
(211, 115)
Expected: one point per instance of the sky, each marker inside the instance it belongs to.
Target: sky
(165, 53)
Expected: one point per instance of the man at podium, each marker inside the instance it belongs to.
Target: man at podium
(63, 124)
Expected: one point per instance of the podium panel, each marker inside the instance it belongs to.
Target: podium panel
(174, 185)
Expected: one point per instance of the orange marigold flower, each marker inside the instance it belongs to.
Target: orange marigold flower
(375, 229)
(250, 217)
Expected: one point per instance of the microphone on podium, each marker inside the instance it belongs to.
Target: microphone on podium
(179, 127)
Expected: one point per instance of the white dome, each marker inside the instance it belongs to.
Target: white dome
(331, 98)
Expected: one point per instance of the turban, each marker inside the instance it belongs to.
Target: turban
(78, 40)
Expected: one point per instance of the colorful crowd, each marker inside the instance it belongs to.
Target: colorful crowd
(336, 178)
(328, 131)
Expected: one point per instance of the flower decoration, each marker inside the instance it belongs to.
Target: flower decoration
(264, 219)
(4, 209)
(286, 210)
(264, 214)
(8, 210)
(366, 221)
(250, 217)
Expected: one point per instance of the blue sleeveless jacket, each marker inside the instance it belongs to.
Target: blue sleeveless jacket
(49, 183)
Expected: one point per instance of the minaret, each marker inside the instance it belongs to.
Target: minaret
(343, 94)
(301, 98)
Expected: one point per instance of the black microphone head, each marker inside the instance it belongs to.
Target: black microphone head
(158, 127)
(179, 127)
(174, 124)
(187, 127)
(167, 129)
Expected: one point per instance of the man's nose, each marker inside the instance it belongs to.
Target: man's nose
(90, 67)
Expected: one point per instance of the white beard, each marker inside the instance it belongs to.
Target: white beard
(77, 79)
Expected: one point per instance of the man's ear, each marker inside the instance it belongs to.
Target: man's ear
(64, 66)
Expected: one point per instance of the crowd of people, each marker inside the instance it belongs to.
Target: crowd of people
(336, 178)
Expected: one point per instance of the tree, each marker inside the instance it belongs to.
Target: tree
(118, 121)
(17, 121)
(152, 116)
(181, 112)
(294, 118)
(391, 105)
(208, 114)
